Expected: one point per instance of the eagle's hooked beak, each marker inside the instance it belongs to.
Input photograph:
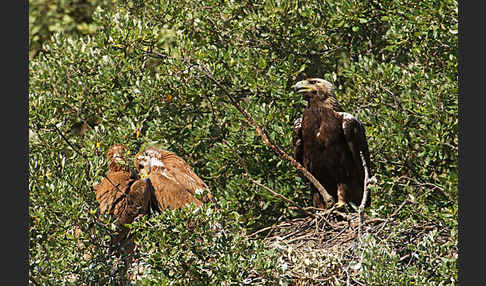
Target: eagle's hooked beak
(145, 172)
(303, 87)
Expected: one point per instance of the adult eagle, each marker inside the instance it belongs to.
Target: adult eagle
(173, 181)
(327, 142)
(121, 194)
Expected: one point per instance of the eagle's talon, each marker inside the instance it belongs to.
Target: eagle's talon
(339, 205)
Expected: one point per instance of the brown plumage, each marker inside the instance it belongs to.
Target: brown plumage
(173, 180)
(122, 195)
(328, 142)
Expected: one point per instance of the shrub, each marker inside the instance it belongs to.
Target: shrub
(137, 79)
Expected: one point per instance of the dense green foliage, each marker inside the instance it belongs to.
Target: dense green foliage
(133, 74)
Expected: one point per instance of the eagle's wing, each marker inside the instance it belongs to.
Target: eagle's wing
(354, 133)
(297, 140)
(121, 195)
(138, 198)
(111, 191)
(185, 175)
(170, 169)
(169, 193)
(176, 168)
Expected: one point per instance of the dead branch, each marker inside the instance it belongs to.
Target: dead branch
(325, 195)
(71, 145)
(261, 230)
(399, 208)
(365, 193)
(329, 211)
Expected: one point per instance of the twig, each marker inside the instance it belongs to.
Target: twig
(388, 91)
(365, 193)
(337, 235)
(294, 232)
(261, 230)
(327, 198)
(311, 209)
(69, 143)
(436, 187)
(306, 236)
(357, 282)
(399, 208)
(373, 220)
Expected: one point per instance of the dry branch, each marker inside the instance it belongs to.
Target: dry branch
(71, 145)
(365, 192)
(325, 195)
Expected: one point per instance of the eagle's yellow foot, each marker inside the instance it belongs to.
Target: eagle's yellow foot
(339, 205)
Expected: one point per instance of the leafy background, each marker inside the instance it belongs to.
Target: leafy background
(105, 71)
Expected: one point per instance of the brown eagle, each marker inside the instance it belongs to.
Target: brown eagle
(327, 142)
(174, 183)
(122, 195)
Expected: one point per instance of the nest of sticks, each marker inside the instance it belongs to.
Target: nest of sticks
(324, 249)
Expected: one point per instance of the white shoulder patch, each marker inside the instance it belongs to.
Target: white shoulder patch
(298, 123)
(346, 116)
(349, 116)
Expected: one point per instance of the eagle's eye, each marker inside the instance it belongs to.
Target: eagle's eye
(312, 81)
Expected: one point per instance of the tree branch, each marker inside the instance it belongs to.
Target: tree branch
(71, 145)
(365, 192)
